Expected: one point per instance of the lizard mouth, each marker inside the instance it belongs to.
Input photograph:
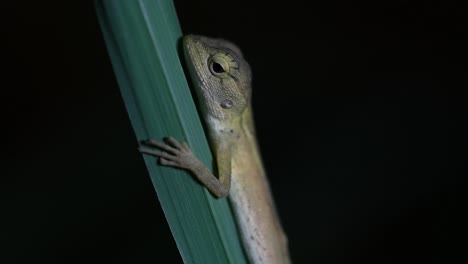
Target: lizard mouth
(192, 47)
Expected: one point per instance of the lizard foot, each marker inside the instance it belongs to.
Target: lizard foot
(172, 153)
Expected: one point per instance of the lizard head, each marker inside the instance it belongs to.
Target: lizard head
(221, 77)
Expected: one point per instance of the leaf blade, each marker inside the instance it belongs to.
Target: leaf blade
(142, 37)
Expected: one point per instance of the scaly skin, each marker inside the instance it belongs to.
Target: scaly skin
(223, 85)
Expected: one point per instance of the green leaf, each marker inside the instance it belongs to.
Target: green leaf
(142, 38)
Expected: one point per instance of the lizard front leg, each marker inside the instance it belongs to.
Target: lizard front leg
(178, 154)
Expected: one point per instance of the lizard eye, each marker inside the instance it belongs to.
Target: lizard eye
(217, 68)
(219, 65)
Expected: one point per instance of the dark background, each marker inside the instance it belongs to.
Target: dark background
(359, 112)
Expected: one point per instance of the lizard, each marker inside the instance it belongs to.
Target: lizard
(222, 83)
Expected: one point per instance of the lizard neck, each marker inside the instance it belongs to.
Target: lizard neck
(233, 131)
(237, 136)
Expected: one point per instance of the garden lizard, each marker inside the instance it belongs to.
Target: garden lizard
(222, 81)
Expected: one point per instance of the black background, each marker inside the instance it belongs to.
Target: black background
(359, 114)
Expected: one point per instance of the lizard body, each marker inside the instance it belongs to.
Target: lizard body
(222, 81)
